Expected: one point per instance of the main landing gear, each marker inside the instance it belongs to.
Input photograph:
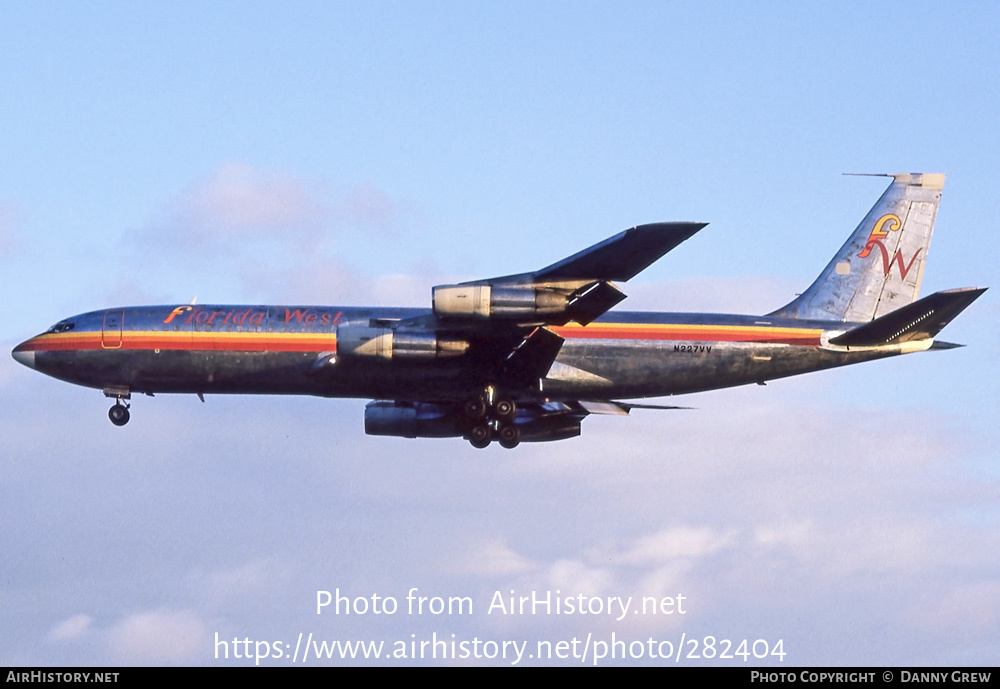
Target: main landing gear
(492, 418)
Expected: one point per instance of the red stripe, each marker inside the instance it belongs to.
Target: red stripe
(250, 342)
(706, 333)
(319, 342)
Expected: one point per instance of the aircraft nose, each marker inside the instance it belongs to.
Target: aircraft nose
(23, 355)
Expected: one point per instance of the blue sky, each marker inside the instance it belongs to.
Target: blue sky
(361, 153)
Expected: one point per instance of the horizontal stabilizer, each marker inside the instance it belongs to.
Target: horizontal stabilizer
(921, 320)
(616, 408)
(623, 256)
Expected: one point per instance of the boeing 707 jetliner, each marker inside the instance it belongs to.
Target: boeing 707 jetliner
(523, 357)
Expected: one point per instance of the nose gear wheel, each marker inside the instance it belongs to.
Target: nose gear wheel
(119, 413)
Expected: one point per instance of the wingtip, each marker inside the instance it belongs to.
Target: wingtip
(941, 344)
(974, 292)
(673, 225)
(683, 228)
(928, 180)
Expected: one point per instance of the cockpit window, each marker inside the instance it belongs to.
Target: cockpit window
(61, 327)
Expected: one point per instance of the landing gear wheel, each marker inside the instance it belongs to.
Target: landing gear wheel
(118, 414)
(504, 409)
(475, 408)
(510, 437)
(480, 435)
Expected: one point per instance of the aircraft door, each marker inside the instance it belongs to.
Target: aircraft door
(111, 332)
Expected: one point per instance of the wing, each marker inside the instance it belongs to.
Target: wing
(497, 332)
(507, 317)
(623, 256)
(578, 288)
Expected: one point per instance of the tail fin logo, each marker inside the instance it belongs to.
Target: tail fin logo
(878, 233)
(875, 239)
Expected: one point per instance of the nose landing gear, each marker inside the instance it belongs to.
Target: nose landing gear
(119, 413)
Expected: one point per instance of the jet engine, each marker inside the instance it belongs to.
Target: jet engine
(387, 343)
(485, 301)
(539, 429)
(430, 420)
(413, 420)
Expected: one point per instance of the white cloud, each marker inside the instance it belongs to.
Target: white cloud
(789, 534)
(650, 560)
(578, 577)
(160, 636)
(269, 235)
(495, 559)
(365, 205)
(676, 542)
(71, 628)
(971, 609)
(237, 201)
(249, 579)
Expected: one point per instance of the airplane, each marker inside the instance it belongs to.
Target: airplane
(526, 357)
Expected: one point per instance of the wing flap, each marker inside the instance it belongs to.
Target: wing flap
(591, 301)
(531, 360)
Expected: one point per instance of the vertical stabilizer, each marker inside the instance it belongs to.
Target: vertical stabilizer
(881, 266)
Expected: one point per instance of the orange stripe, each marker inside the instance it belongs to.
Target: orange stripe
(677, 331)
(317, 342)
(244, 342)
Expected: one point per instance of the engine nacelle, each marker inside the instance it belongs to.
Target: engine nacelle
(485, 301)
(429, 420)
(413, 420)
(546, 428)
(387, 343)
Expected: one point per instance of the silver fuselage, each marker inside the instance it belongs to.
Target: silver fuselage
(212, 349)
